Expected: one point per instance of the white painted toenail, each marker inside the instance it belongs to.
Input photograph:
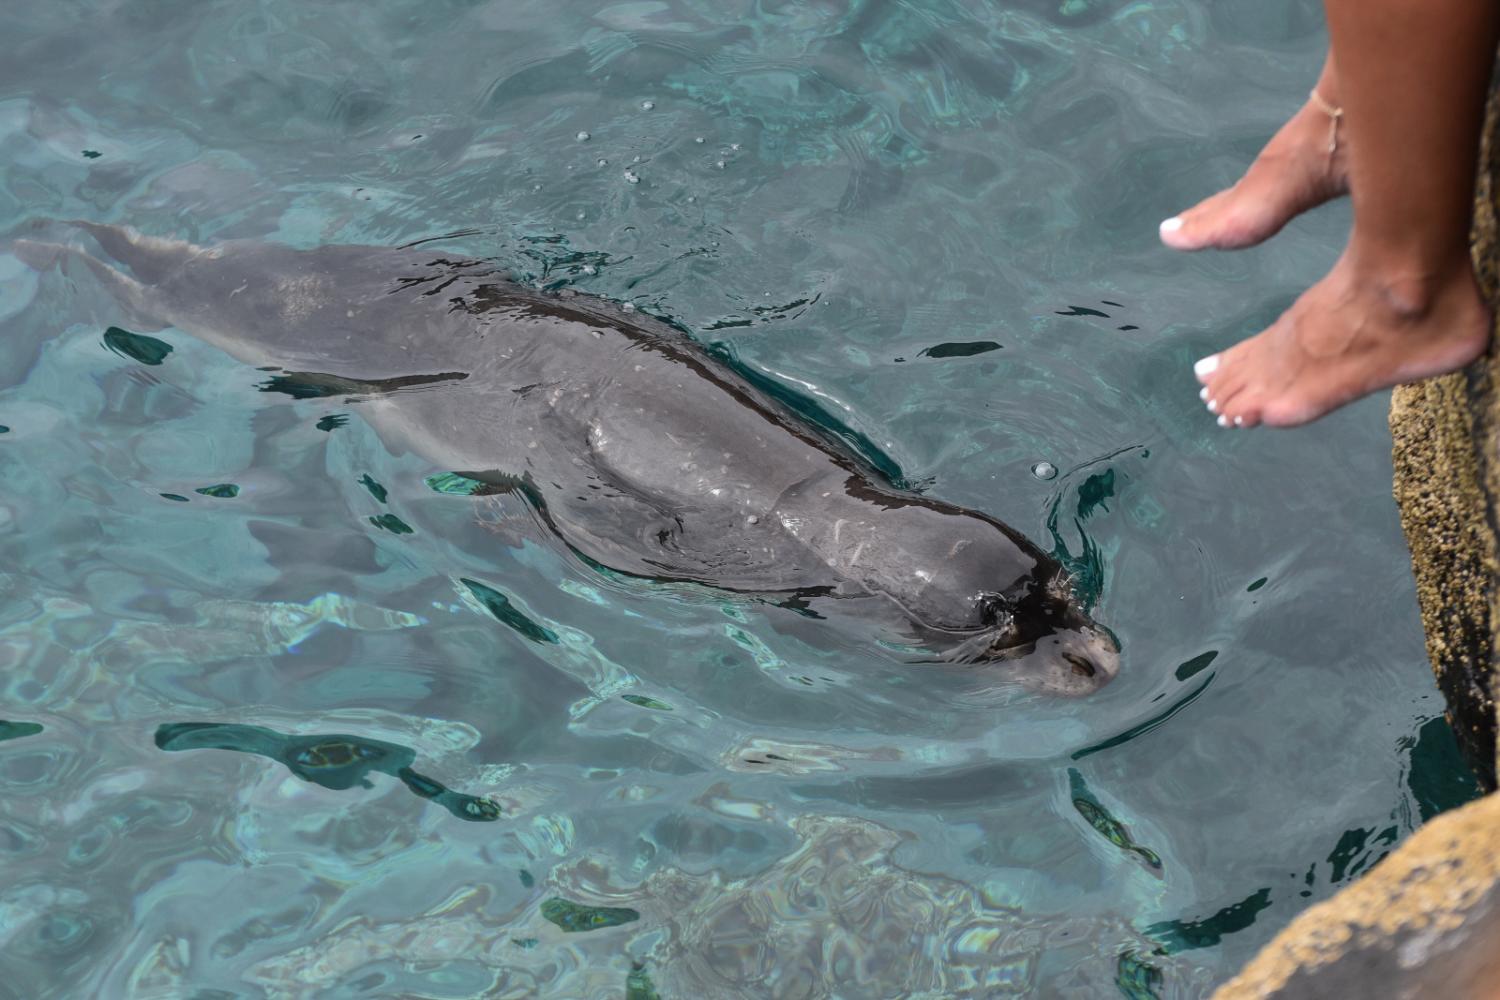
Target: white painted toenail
(1239, 421)
(1206, 366)
(1223, 420)
(1203, 393)
(1172, 225)
(1213, 406)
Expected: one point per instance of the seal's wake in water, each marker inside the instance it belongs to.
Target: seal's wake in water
(638, 449)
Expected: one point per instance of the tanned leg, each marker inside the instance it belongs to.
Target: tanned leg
(1401, 303)
(1295, 172)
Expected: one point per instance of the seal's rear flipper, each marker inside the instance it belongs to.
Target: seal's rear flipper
(150, 258)
(130, 294)
(35, 255)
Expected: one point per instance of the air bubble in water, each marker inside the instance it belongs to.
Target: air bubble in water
(590, 269)
(631, 177)
(734, 146)
(699, 140)
(579, 216)
(1044, 470)
(584, 137)
(647, 105)
(536, 187)
(720, 164)
(603, 162)
(628, 307)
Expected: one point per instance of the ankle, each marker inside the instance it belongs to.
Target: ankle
(1327, 86)
(1408, 298)
(1412, 292)
(1323, 97)
(1326, 134)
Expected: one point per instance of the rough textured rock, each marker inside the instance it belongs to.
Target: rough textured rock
(1441, 485)
(1447, 485)
(1423, 923)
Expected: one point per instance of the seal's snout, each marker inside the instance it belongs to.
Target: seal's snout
(1071, 662)
(1081, 666)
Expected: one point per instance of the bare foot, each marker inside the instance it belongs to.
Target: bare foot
(1350, 334)
(1295, 172)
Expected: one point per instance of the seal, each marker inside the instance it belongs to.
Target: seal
(636, 447)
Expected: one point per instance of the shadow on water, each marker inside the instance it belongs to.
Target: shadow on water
(817, 415)
(1437, 780)
(333, 760)
(1081, 493)
(1155, 722)
(1138, 979)
(1186, 935)
(136, 346)
(1098, 816)
(508, 614)
(16, 730)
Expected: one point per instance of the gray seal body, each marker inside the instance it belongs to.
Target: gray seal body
(639, 449)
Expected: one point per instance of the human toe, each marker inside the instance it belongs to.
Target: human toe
(1222, 387)
(1238, 392)
(1239, 409)
(1228, 220)
(1194, 228)
(1172, 235)
(1205, 367)
(1243, 416)
(1187, 230)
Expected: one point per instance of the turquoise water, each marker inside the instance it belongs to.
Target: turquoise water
(285, 717)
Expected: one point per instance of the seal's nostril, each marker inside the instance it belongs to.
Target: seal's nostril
(1081, 667)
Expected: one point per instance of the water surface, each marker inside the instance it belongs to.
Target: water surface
(286, 716)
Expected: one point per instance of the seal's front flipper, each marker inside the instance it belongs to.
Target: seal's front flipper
(313, 385)
(605, 527)
(617, 528)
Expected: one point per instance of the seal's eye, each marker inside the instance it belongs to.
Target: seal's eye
(993, 610)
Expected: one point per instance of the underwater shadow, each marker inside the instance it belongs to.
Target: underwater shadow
(333, 760)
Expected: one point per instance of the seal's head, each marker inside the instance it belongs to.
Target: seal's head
(986, 605)
(970, 588)
(1054, 645)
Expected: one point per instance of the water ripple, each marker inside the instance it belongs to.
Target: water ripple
(929, 227)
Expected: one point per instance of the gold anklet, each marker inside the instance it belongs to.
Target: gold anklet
(1336, 114)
